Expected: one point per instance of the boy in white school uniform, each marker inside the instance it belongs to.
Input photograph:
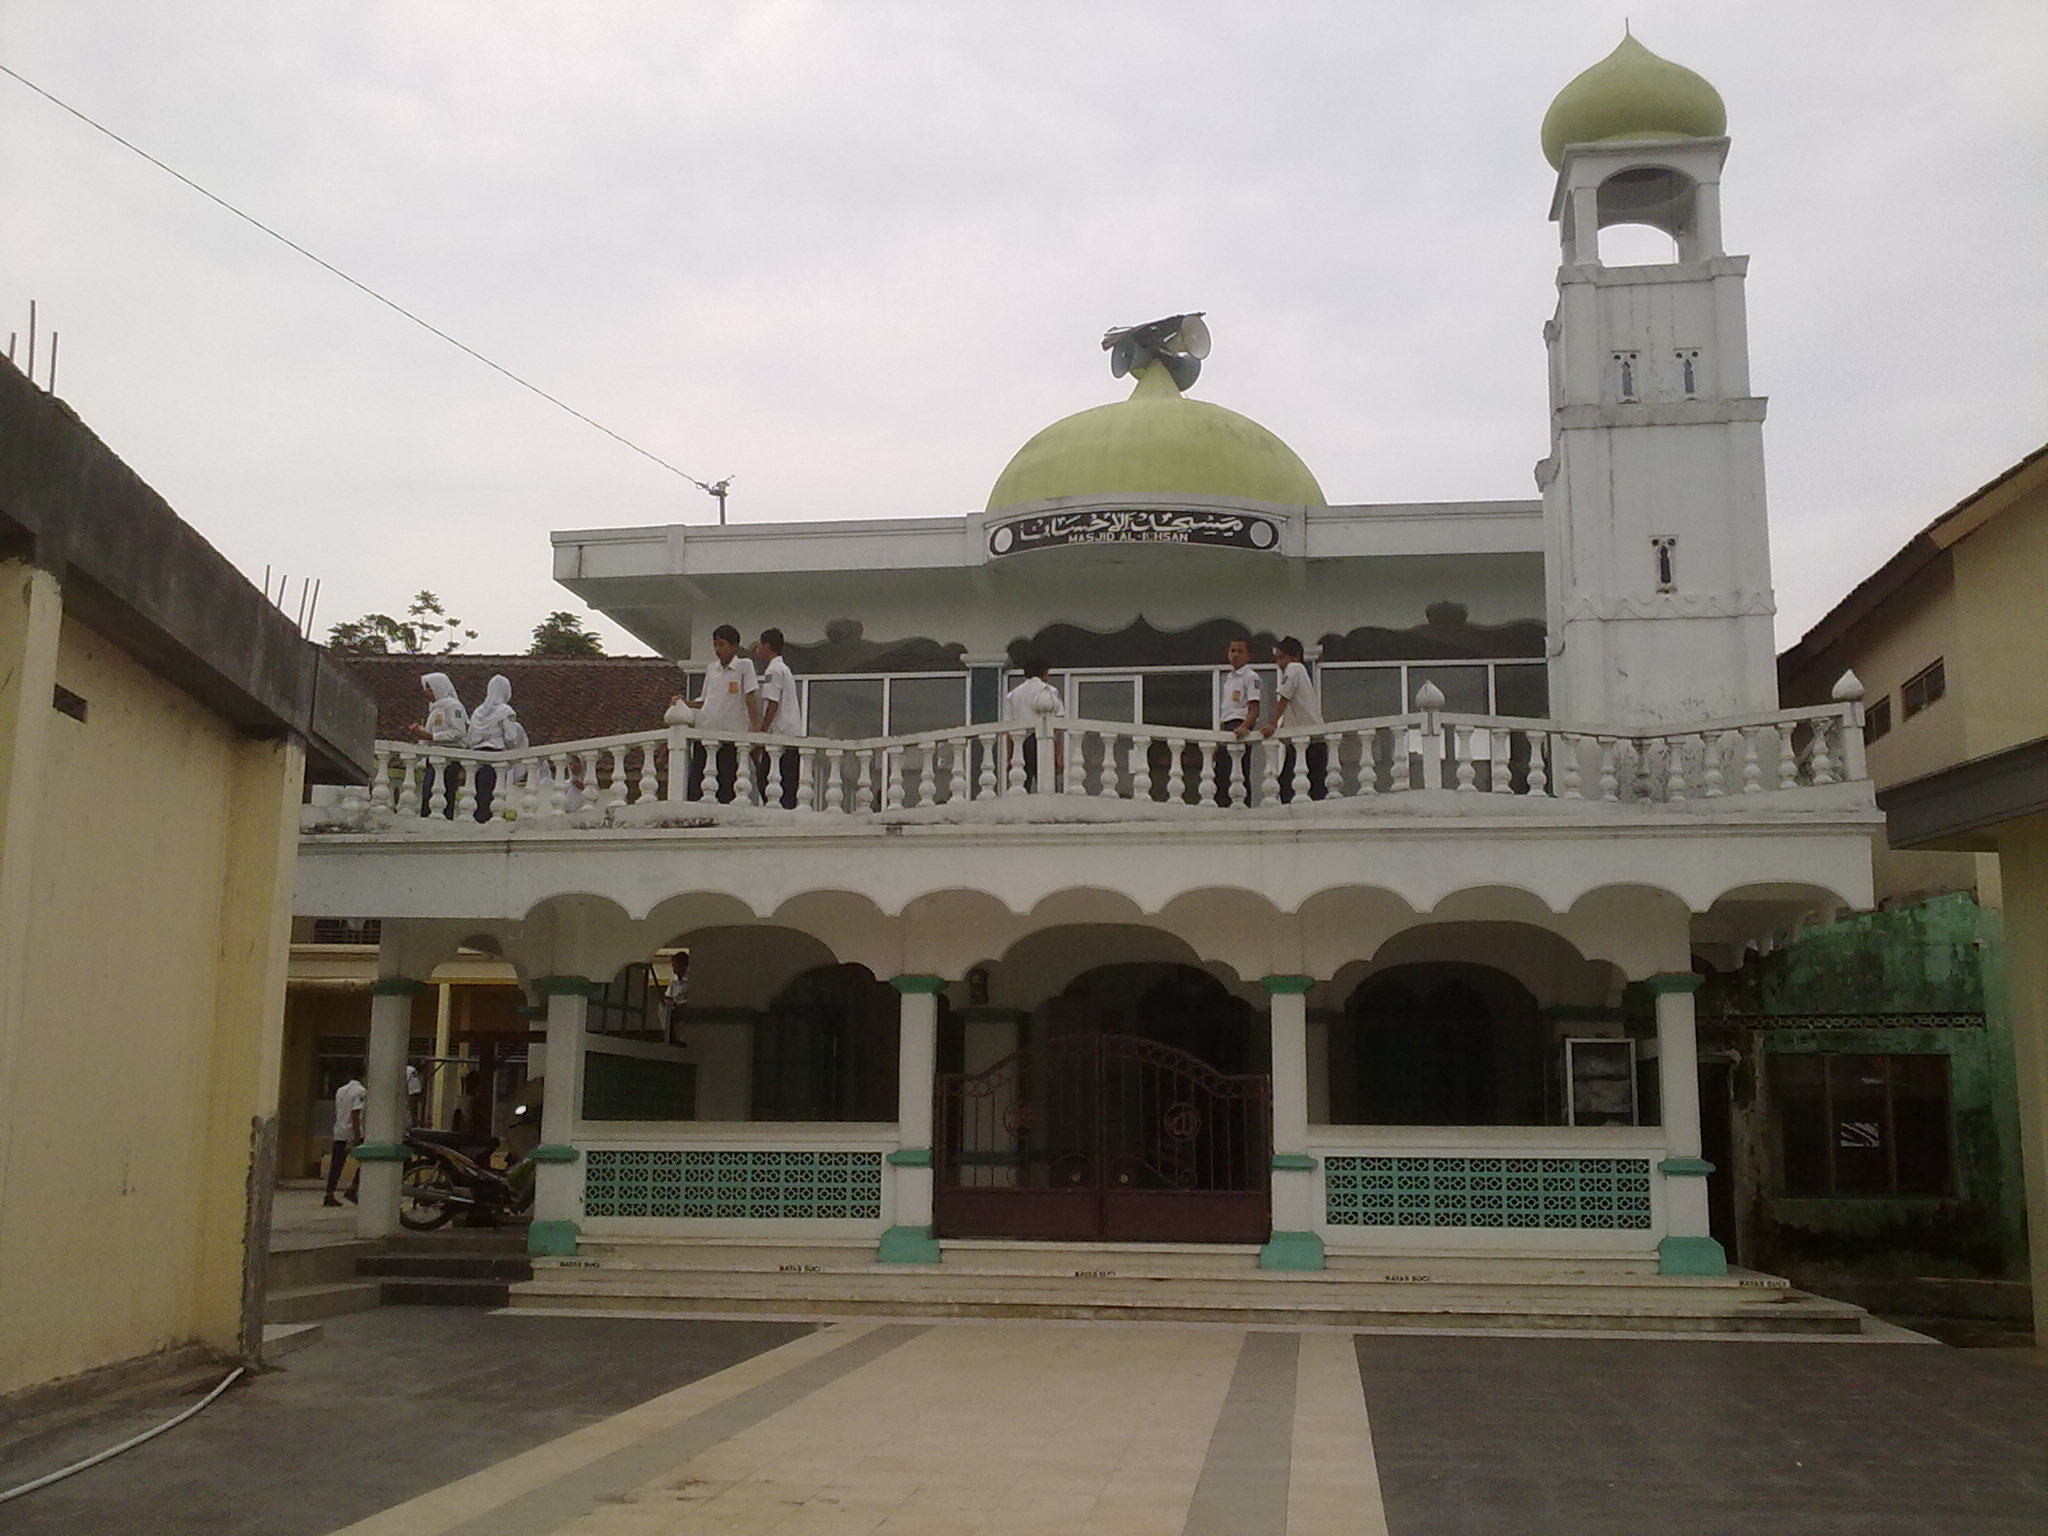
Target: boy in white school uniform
(1237, 711)
(1022, 706)
(782, 714)
(1298, 704)
(731, 704)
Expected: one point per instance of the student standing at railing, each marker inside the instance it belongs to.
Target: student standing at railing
(1237, 711)
(490, 730)
(447, 726)
(782, 714)
(1298, 704)
(731, 704)
(1026, 703)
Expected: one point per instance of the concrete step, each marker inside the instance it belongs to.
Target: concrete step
(307, 1303)
(1204, 1266)
(320, 1264)
(281, 1339)
(459, 1240)
(1253, 1298)
(447, 1266)
(434, 1291)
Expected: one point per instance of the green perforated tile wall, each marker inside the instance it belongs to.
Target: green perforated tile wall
(751, 1186)
(1599, 1192)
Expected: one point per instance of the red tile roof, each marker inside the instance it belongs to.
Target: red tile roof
(558, 699)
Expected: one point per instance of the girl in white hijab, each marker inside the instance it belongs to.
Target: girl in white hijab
(447, 726)
(493, 728)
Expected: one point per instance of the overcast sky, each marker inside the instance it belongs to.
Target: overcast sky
(854, 253)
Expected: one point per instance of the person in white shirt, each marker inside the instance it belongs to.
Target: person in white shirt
(1024, 705)
(491, 729)
(348, 1131)
(782, 713)
(1237, 711)
(1298, 704)
(731, 705)
(447, 726)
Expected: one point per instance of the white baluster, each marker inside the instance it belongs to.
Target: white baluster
(921, 778)
(615, 792)
(1539, 776)
(991, 748)
(1269, 778)
(1569, 748)
(558, 787)
(1015, 745)
(1715, 746)
(1752, 770)
(771, 790)
(1467, 774)
(437, 797)
(835, 778)
(806, 766)
(1141, 768)
(1610, 781)
(380, 784)
(1077, 765)
(1333, 768)
(1823, 765)
(1176, 775)
(1243, 754)
(1674, 769)
(650, 780)
(1205, 774)
(1788, 765)
(865, 765)
(1500, 749)
(1368, 763)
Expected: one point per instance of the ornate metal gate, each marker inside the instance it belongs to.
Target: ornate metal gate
(1093, 1137)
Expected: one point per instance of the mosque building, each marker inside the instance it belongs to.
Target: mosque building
(1405, 989)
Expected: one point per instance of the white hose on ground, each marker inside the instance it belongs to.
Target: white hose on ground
(126, 1445)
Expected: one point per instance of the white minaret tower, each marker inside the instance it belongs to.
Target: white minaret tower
(1657, 556)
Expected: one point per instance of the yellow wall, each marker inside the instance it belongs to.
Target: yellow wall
(2000, 678)
(145, 1052)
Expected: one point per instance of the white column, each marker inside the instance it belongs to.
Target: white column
(1294, 1242)
(1687, 1248)
(382, 1153)
(909, 1238)
(558, 1186)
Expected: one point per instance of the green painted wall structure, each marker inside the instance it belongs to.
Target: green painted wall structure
(1919, 979)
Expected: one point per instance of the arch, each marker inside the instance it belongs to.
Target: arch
(946, 933)
(849, 924)
(825, 1048)
(1439, 1042)
(1663, 197)
(743, 965)
(1042, 963)
(1538, 957)
(1642, 929)
(1170, 1002)
(1344, 924)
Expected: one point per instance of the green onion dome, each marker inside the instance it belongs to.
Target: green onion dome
(1632, 94)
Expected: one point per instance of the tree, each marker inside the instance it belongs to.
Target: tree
(563, 634)
(426, 629)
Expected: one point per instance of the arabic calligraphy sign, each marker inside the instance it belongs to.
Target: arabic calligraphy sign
(1229, 530)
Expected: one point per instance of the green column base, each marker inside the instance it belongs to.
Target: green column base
(380, 1152)
(551, 1239)
(1292, 1250)
(908, 1245)
(1691, 1256)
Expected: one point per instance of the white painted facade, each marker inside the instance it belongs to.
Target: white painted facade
(1556, 877)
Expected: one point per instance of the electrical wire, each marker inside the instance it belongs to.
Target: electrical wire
(329, 266)
(126, 1445)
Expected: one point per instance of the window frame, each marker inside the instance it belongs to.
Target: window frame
(1877, 719)
(1830, 1124)
(1929, 686)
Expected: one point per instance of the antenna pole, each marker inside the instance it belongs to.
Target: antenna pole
(53, 362)
(31, 341)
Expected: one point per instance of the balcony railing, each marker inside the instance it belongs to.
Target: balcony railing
(1050, 769)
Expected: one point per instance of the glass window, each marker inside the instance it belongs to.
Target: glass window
(1521, 690)
(1463, 686)
(1180, 700)
(1104, 698)
(844, 708)
(1360, 693)
(926, 704)
(1923, 689)
(1878, 720)
(1855, 1125)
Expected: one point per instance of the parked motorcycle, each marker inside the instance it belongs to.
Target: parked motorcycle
(449, 1174)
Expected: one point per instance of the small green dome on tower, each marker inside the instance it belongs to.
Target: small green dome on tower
(1632, 94)
(1157, 442)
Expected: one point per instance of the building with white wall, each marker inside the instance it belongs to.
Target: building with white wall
(1438, 1002)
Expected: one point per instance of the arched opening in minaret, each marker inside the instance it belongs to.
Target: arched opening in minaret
(1645, 214)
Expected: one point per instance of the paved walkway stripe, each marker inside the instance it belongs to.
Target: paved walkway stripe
(542, 1489)
(1333, 1485)
(1244, 1482)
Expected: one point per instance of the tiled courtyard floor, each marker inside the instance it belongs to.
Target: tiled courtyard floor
(411, 1422)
